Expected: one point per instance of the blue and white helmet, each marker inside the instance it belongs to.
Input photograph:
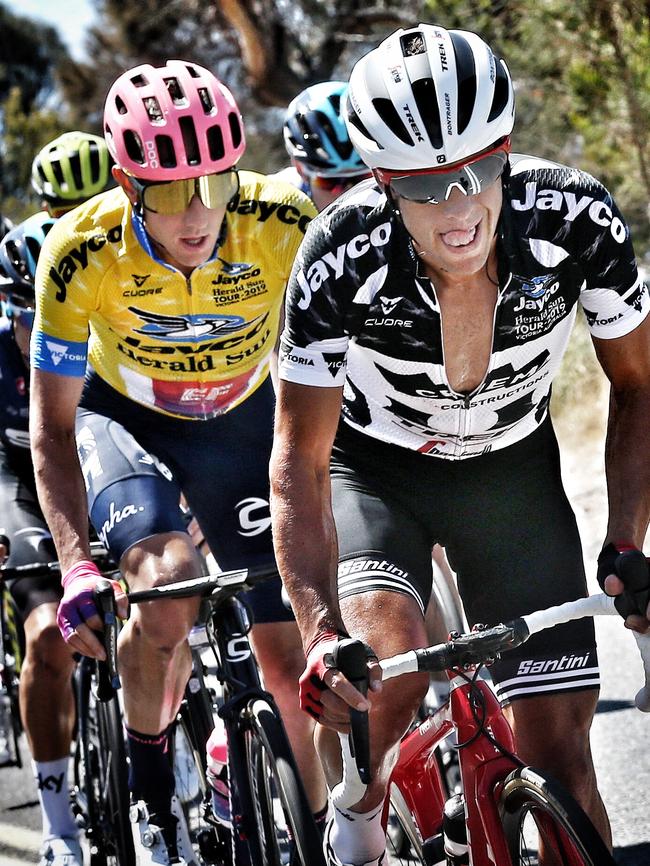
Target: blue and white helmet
(315, 134)
(428, 97)
(19, 252)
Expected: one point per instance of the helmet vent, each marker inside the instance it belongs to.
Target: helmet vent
(139, 80)
(94, 159)
(133, 146)
(153, 109)
(215, 143)
(190, 141)
(193, 71)
(413, 44)
(501, 92)
(386, 110)
(424, 91)
(166, 153)
(206, 100)
(354, 120)
(119, 104)
(466, 72)
(75, 165)
(175, 91)
(235, 129)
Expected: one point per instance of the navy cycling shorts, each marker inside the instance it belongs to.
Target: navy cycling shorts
(508, 530)
(136, 462)
(23, 523)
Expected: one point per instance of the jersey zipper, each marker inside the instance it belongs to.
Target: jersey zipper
(464, 422)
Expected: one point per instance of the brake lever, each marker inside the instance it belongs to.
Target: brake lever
(108, 676)
(350, 658)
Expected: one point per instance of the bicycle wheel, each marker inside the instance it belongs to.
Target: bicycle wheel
(403, 839)
(100, 793)
(542, 823)
(282, 811)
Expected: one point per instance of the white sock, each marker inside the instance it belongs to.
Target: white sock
(52, 782)
(358, 837)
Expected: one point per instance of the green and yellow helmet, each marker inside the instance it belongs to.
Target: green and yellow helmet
(71, 169)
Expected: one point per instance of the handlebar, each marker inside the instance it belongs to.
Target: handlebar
(98, 552)
(481, 646)
(214, 586)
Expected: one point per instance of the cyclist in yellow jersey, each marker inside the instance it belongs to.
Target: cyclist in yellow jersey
(158, 311)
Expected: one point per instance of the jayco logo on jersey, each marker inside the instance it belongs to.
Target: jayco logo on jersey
(246, 511)
(262, 210)
(77, 257)
(535, 286)
(538, 298)
(334, 262)
(599, 212)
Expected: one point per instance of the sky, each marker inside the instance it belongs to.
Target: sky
(70, 17)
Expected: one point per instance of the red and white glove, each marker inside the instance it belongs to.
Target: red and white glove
(311, 683)
(78, 605)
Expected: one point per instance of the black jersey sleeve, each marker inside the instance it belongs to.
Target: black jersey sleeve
(339, 268)
(574, 215)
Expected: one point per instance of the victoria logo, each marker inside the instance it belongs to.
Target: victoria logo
(57, 351)
(334, 361)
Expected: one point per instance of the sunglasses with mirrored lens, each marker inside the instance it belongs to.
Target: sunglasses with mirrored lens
(433, 187)
(174, 196)
(335, 184)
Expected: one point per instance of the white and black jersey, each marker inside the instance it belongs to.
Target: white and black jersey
(361, 314)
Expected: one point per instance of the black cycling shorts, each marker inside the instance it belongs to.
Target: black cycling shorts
(136, 462)
(23, 523)
(507, 527)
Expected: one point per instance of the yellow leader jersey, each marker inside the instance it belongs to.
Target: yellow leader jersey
(192, 347)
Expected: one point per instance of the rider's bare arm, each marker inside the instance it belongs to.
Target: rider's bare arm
(626, 362)
(59, 481)
(303, 525)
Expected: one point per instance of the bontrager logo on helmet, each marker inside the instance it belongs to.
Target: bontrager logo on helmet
(428, 97)
(173, 122)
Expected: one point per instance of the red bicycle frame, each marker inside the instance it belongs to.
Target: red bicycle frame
(483, 768)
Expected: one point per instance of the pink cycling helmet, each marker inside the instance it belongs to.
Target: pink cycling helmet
(173, 122)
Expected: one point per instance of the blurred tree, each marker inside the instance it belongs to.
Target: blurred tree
(266, 51)
(29, 53)
(24, 134)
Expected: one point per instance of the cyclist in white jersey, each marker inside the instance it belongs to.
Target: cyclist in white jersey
(427, 313)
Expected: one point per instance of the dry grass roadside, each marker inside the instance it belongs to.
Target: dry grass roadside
(579, 410)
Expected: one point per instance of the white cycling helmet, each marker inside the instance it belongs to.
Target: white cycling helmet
(427, 97)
